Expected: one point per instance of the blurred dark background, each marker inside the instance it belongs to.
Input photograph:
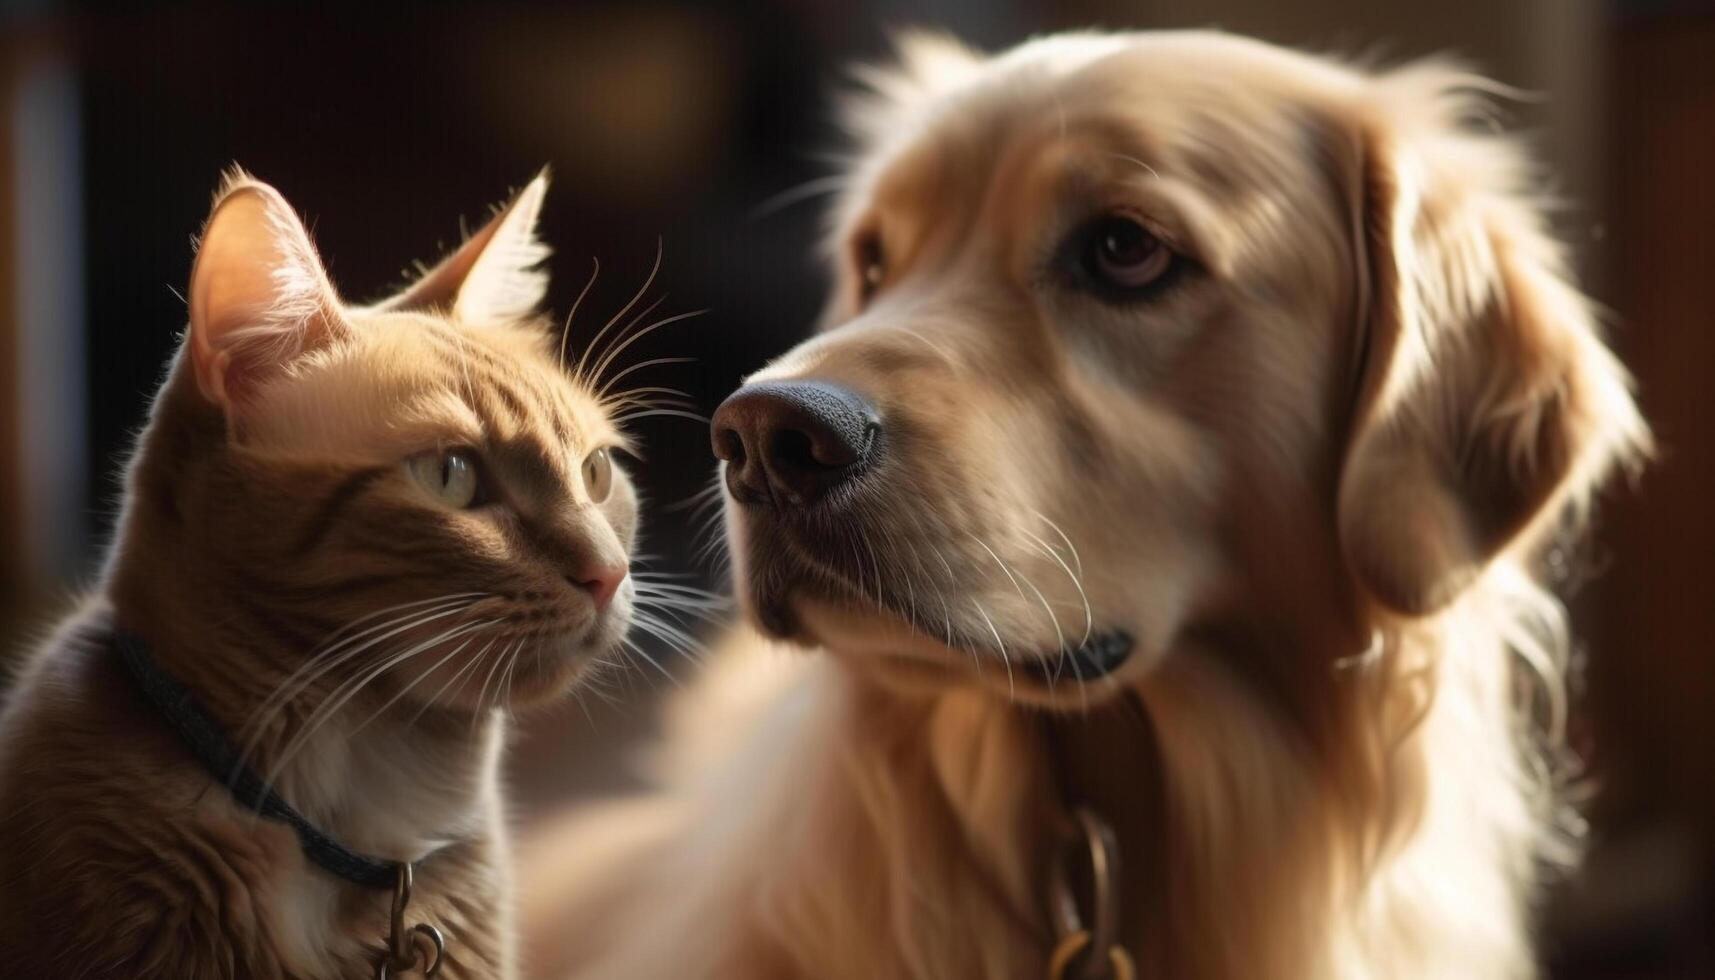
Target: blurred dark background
(689, 124)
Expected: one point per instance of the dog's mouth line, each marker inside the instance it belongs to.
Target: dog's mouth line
(1097, 656)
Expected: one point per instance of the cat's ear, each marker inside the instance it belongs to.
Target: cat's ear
(496, 275)
(259, 297)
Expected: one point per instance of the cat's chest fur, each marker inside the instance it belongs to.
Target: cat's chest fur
(406, 801)
(155, 870)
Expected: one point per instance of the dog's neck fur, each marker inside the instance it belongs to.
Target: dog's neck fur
(1233, 819)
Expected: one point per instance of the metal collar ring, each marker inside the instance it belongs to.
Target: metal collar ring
(1074, 933)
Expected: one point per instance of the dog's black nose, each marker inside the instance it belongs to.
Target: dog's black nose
(787, 443)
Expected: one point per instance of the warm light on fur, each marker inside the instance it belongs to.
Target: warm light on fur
(358, 639)
(1312, 477)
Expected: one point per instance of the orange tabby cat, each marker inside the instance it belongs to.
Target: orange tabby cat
(352, 536)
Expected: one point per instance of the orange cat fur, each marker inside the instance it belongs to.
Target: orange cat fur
(359, 536)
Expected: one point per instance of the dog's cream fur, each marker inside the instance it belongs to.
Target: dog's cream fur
(1315, 480)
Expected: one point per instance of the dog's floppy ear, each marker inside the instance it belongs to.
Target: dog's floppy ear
(1486, 400)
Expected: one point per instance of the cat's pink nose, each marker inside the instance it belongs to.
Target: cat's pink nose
(600, 581)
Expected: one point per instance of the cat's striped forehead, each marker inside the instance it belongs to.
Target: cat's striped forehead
(410, 383)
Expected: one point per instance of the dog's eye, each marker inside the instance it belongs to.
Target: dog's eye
(1118, 253)
(871, 265)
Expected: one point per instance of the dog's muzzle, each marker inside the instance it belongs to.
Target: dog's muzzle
(786, 444)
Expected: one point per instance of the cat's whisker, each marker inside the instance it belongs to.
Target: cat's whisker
(338, 648)
(608, 358)
(597, 680)
(688, 620)
(629, 405)
(352, 685)
(680, 590)
(645, 616)
(682, 601)
(675, 639)
(630, 324)
(350, 689)
(707, 611)
(371, 616)
(676, 584)
(671, 580)
(620, 336)
(578, 698)
(469, 638)
(709, 545)
(689, 605)
(578, 372)
(651, 661)
(634, 398)
(505, 702)
(661, 413)
(650, 390)
(469, 668)
(698, 502)
(493, 669)
(566, 331)
(640, 365)
(330, 658)
(409, 610)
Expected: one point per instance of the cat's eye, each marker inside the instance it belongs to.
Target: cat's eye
(451, 477)
(1120, 256)
(598, 474)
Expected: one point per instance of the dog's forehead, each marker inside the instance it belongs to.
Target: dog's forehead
(1187, 97)
(1165, 64)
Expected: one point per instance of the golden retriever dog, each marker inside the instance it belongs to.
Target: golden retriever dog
(1174, 479)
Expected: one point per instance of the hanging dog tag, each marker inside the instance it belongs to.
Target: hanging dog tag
(1088, 949)
(419, 948)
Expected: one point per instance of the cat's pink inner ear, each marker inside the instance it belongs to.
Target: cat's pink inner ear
(259, 296)
(495, 275)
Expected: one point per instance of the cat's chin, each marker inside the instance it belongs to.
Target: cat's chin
(526, 673)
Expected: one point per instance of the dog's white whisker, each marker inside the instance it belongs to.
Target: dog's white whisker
(1079, 562)
(1089, 614)
(1011, 689)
